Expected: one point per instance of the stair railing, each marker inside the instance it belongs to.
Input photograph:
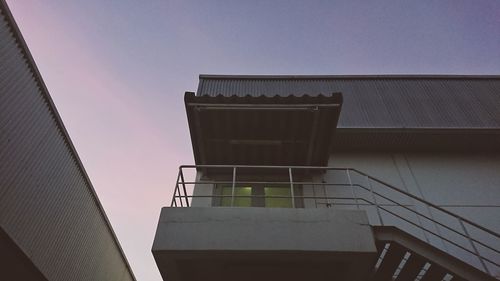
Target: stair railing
(475, 244)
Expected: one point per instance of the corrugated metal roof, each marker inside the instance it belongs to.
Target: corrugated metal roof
(382, 101)
(262, 130)
(47, 202)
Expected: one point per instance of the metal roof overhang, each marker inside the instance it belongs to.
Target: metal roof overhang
(463, 140)
(262, 130)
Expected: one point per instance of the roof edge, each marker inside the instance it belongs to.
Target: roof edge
(421, 130)
(348, 76)
(460, 140)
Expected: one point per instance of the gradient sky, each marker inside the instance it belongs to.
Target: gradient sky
(117, 71)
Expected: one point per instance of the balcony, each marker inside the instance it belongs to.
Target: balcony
(321, 223)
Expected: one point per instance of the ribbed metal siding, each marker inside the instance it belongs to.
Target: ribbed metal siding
(384, 102)
(46, 203)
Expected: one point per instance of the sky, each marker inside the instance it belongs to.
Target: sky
(117, 71)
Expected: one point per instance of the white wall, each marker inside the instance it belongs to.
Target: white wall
(467, 184)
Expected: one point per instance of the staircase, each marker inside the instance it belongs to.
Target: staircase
(403, 257)
(449, 246)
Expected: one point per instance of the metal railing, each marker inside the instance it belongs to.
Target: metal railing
(347, 188)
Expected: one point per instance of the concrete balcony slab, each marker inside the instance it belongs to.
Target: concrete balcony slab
(263, 244)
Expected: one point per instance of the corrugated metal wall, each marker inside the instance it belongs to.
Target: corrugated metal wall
(383, 102)
(47, 204)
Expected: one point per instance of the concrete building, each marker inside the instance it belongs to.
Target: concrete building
(337, 178)
(52, 226)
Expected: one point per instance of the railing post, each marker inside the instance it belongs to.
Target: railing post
(174, 202)
(352, 189)
(314, 195)
(374, 200)
(183, 187)
(233, 186)
(291, 187)
(177, 188)
(180, 198)
(473, 246)
(324, 187)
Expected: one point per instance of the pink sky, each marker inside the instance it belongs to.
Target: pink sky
(117, 71)
(129, 153)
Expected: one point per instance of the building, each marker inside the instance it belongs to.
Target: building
(337, 178)
(52, 226)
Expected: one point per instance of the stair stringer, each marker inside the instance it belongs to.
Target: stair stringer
(459, 269)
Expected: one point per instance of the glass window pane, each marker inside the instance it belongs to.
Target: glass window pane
(278, 202)
(238, 191)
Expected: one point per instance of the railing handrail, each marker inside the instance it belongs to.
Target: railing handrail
(359, 172)
(288, 169)
(429, 203)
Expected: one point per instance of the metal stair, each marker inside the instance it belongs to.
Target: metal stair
(403, 257)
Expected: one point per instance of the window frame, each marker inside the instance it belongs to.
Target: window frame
(257, 189)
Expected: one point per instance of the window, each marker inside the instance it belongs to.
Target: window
(257, 195)
(271, 202)
(238, 201)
